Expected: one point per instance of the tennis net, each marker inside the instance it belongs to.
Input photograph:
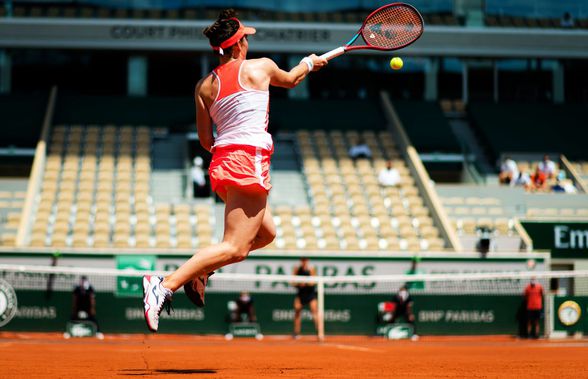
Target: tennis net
(346, 304)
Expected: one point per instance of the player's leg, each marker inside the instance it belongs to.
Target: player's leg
(267, 231)
(297, 316)
(244, 214)
(536, 324)
(195, 289)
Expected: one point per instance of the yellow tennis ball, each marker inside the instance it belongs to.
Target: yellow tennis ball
(396, 63)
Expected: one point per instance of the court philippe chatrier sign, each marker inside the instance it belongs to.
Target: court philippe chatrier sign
(565, 239)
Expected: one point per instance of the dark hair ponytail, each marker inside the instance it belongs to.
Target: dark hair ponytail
(222, 28)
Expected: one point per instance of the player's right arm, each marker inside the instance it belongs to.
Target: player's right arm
(290, 79)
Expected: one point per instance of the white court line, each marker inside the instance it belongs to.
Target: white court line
(564, 344)
(352, 347)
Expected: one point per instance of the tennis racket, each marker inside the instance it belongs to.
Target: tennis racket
(391, 27)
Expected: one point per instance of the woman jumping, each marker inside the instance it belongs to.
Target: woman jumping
(234, 97)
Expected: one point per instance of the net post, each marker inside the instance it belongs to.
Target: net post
(321, 308)
(549, 316)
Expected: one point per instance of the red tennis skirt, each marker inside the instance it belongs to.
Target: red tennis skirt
(242, 166)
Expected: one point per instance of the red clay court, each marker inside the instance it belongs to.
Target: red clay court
(37, 355)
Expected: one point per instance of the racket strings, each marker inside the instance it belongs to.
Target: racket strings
(392, 27)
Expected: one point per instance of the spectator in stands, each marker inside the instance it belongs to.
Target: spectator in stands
(548, 167)
(306, 295)
(508, 171)
(522, 179)
(567, 21)
(563, 186)
(360, 150)
(558, 187)
(84, 304)
(389, 176)
(538, 180)
(534, 306)
(244, 307)
(200, 189)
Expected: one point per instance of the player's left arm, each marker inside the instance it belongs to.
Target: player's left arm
(203, 121)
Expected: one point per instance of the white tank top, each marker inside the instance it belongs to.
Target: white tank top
(240, 114)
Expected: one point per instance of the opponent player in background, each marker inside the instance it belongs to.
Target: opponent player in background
(305, 295)
(234, 97)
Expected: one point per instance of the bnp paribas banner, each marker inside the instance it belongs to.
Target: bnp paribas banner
(344, 314)
(565, 239)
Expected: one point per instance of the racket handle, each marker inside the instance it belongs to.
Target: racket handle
(333, 53)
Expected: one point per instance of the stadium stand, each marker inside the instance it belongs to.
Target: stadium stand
(439, 14)
(582, 169)
(11, 203)
(471, 207)
(24, 114)
(493, 14)
(528, 128)
(22, 118)
(535, 14)
(427, 126)
(365, 114)
(349, 208)
(174, 112)
(95, 193)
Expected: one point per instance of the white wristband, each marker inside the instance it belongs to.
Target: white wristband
(308, 62)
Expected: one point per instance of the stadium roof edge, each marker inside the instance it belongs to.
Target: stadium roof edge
(298, 38)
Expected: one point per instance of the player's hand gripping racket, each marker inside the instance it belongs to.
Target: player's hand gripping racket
(390, 27)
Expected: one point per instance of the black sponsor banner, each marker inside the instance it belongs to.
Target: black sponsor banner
(565, 239)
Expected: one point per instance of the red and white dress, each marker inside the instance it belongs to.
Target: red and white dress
(242, 148)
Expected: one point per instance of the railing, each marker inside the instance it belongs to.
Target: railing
(421, 176)
(526, 242)
(36, 177)
(470, 163)
(573, 174)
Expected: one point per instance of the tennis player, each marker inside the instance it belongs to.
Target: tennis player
(305, 295)
(234, 97)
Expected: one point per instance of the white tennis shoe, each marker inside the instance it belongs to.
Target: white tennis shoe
(155, 298)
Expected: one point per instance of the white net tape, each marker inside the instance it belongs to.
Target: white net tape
(104, 280)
